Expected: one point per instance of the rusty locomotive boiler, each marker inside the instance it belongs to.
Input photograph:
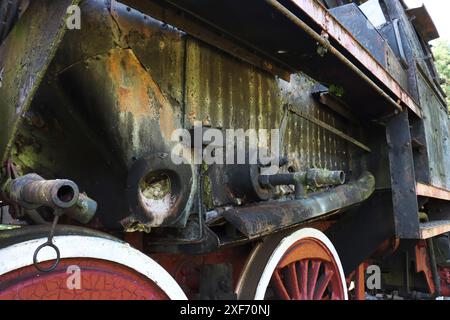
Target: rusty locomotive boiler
(91, 93)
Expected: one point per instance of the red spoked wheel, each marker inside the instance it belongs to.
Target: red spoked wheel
(301, 266)
(307, 272)
(90, 269)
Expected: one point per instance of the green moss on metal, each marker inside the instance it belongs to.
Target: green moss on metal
(207, 188)
(156, 188)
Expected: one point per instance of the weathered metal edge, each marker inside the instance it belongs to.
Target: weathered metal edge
(334, 28)
(6, 145)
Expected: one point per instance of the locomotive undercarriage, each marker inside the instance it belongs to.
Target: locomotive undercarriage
(102, 117)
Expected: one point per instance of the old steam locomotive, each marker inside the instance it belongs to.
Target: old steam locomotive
(90, 95)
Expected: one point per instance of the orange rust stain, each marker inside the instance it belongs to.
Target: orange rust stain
(129, 81)
(137, 92)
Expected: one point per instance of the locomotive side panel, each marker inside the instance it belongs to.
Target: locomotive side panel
(437, 135)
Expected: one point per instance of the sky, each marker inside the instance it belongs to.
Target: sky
(439, 11)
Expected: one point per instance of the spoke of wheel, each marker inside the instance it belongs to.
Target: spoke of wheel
(312, 278)
(278, 285)
(335, 295)
(323, 283)
(303, 271)
(292, 281)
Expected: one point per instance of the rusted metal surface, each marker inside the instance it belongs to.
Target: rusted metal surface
(153, 78)
(160, 193)
(331, 26)
(186, 269)
(84, 210)
(403, 180)
(444, 274)
(337, 105)
(32, 191)
(197, 28)
(222, 92)
(354, 20)
(424, 24)
(377, 211)
(106, 103)
(9, 11)
(415, 48)
(331, 129)
(304, 141)
(423, 264)
(24, 59)
(315, 178)
(360, 282)
(225, 93)
(268, 217)
(122, 90)
(324, 43)
(275, 44)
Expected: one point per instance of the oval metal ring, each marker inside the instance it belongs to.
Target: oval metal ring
(54, 265)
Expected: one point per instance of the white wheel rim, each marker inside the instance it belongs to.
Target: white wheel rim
(21, 255)
(278, 254)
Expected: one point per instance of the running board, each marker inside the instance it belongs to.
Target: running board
(433, 228)
(425, 190)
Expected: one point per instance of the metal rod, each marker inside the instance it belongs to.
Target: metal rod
(323, 42)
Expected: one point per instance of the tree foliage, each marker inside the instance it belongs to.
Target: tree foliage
(441, 51)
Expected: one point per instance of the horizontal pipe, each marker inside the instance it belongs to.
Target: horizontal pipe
(264, 218)
(315, 178)
(32, 191)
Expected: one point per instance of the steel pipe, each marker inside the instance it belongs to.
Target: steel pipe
(315, 178)
(32, 191)
(327, 45)
(268, 217)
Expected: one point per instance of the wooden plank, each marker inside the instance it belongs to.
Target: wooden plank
(425, 190)
(434, 228)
